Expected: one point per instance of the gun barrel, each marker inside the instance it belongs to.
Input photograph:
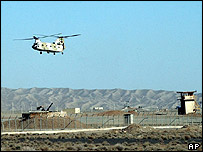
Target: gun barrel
(49, 107)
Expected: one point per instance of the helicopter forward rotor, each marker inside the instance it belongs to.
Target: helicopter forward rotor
(28, 38)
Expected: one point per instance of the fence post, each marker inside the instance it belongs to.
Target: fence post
(81, 121)
(98, 120)
(58, 122)
(187, 119)
(64, 122)
(200, 121)
(166, 117)
(175, 116)
(107, 125)
(102, 121)
(178, 120)
(27, 123)
(46, 123)
(34, 123)
(86, 119)
(15, 124)
(2, 119)
(181, 120)
(156, 121)
(143, 117)
(162, 118)
(148, 118)
(40, 123)
(191, 120)
(152, 119)
(9, 123)
(118, 120)
(137, 118)
(68, 119)
(113, 120)
(92, 125)
(75, 118)
(22, 124)
(53, 122)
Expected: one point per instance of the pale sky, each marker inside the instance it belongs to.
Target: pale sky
(123, 44)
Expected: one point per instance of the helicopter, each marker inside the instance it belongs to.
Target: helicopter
(56, 47)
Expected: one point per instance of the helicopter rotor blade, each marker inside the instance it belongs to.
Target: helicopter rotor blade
(25, 39)
(71, 35)
(67, 36)
(33, 38)
(48, 35)
(53, 35)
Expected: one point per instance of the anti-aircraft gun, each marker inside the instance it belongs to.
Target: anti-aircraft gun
(39, 113)
(42, 108)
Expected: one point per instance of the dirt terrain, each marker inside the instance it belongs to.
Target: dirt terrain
(134, 137)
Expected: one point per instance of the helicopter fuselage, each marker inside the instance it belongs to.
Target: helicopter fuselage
(55, 47)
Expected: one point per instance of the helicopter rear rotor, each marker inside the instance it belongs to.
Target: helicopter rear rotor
(67, 36)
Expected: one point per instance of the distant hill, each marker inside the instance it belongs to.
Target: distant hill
(25, 99)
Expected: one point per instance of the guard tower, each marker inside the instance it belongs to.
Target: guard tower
(188, 103)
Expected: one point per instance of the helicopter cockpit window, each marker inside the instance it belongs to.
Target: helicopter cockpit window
(42, 44)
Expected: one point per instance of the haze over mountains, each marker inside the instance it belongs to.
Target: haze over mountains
(27, 99)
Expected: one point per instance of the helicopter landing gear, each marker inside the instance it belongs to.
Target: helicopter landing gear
(40, 52)
(54, 53)
(47, 52)
(61, 52)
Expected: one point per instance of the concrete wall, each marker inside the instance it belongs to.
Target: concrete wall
(189, 106)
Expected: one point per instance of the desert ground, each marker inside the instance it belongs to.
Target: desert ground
(132, 138)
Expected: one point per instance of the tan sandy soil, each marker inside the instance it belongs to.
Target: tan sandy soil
(111, 113)
(134, 137)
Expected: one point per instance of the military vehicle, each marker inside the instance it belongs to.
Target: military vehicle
(41, 112)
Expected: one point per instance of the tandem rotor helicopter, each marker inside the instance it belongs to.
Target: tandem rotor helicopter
(56, 47)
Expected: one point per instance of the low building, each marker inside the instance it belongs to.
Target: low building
(98, 108)
(72, 110)
(128, 108)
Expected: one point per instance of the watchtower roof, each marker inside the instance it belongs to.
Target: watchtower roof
(186, 91)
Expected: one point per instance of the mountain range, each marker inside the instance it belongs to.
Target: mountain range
(62, 98)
